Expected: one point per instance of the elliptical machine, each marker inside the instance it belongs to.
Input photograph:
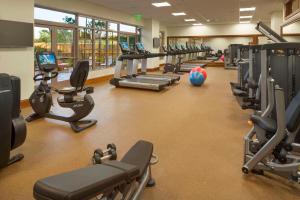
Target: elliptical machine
(41, 98)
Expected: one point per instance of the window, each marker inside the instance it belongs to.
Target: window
(86, 45)
(100, 24)
(100, 48)
(53, 16)
(127, 28)
(74, 37)
(65, 52)
(112, 51)
(112, 26)
(85, 22)
(42, 39)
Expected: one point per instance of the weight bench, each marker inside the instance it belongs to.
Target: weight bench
(111, 179)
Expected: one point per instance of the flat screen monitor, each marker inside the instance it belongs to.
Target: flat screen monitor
(46, 61)
(16, 34)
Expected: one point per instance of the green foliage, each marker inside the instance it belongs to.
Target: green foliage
(44, 37)
(100, 24)
(64, 36)
(69, 20)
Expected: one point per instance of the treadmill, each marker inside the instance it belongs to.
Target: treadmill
(130, 81)
(143, 75)
(187, 67)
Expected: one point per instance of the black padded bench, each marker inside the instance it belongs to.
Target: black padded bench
(92, 181)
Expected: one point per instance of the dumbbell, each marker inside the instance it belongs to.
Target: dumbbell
(101, 155)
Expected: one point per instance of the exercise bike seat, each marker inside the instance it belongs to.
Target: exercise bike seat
(67, 90)
(139, 155)
(84, 183)
(264, 123)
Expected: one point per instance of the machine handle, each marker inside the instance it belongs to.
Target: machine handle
(42, 77)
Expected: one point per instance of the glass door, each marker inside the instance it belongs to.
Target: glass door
(85, 44)
(65, 52)
(112, 51)
(42, 43)
(100, 48)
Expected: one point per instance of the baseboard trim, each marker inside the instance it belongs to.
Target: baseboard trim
(24, 103)
(99, 79)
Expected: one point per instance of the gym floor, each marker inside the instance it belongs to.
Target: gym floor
(197, 133)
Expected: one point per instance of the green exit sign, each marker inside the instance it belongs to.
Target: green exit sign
(138, 17)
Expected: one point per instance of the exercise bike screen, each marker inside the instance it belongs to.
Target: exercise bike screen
(47, 59)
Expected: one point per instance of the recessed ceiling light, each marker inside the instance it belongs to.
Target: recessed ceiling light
(161, 4)
(247, 9)
(179, 14)
(190, 20)
(208, 20)
(198, 24)
(246, 17)
(244, 22)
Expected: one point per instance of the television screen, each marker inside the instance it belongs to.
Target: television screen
(16, 34)
(156, 42)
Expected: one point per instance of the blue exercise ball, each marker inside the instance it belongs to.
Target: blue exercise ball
(196, 78)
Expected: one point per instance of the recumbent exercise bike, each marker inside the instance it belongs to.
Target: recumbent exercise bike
(41, 98)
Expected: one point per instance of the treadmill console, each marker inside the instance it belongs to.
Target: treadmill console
(125, 48)
(140, 46)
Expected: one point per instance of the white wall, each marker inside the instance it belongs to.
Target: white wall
(228, 29)
(151, 30)
(18, 61)
(292, 28)
(223, 43)
(276, 21)
(84, 7)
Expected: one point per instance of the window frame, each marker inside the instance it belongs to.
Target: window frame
(53, 26)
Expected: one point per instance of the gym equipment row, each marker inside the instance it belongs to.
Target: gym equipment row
(248, 87)
(131, 58)
(176, 58)
(273, 143)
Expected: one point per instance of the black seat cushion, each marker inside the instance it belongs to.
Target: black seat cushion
(67, 90)
(264, 123)
(79, 74)
(132, 171)
(239, 93)
(293, 114)
(139, 155)
(252, 84)
(79, 184)
(234, 85)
